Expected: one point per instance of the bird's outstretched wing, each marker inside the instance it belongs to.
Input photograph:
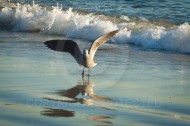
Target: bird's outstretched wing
(65, 46)
(99, 41)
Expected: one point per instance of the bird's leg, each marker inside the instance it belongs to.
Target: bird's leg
(88, 79)
(83, 79)
(83, 73)
(89, 72)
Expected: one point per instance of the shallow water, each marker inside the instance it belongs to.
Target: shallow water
(130, 85)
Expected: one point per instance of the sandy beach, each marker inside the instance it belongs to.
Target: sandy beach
(35, 82)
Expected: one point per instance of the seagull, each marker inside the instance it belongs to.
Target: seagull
(86, 58)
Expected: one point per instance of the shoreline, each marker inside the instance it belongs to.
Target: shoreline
(42, 84)
(131, 85)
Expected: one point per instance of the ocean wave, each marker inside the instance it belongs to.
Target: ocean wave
(73, 24)
(175, 39)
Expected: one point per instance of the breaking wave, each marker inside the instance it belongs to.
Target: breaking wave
(73, 24)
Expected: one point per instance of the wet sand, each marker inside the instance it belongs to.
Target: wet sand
(130, 86)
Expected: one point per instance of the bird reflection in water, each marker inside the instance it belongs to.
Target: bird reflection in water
(57, 113)
(82, 93)
(101, 118)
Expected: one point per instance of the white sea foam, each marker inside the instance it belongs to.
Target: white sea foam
(88, 26)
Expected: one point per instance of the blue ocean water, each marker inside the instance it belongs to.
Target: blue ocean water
(168, 10)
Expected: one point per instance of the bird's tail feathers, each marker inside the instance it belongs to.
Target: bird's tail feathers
(95, 64)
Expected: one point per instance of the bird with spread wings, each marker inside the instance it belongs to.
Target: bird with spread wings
(86, 58)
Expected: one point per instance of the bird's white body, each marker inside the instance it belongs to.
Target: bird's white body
(87, 60)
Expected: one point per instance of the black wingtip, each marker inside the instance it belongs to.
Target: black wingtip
(51, 44)
(63, 46)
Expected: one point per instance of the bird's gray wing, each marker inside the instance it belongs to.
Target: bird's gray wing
(99, 41)
(65, 46)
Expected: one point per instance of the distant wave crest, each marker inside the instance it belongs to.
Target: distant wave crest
(72, 24)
